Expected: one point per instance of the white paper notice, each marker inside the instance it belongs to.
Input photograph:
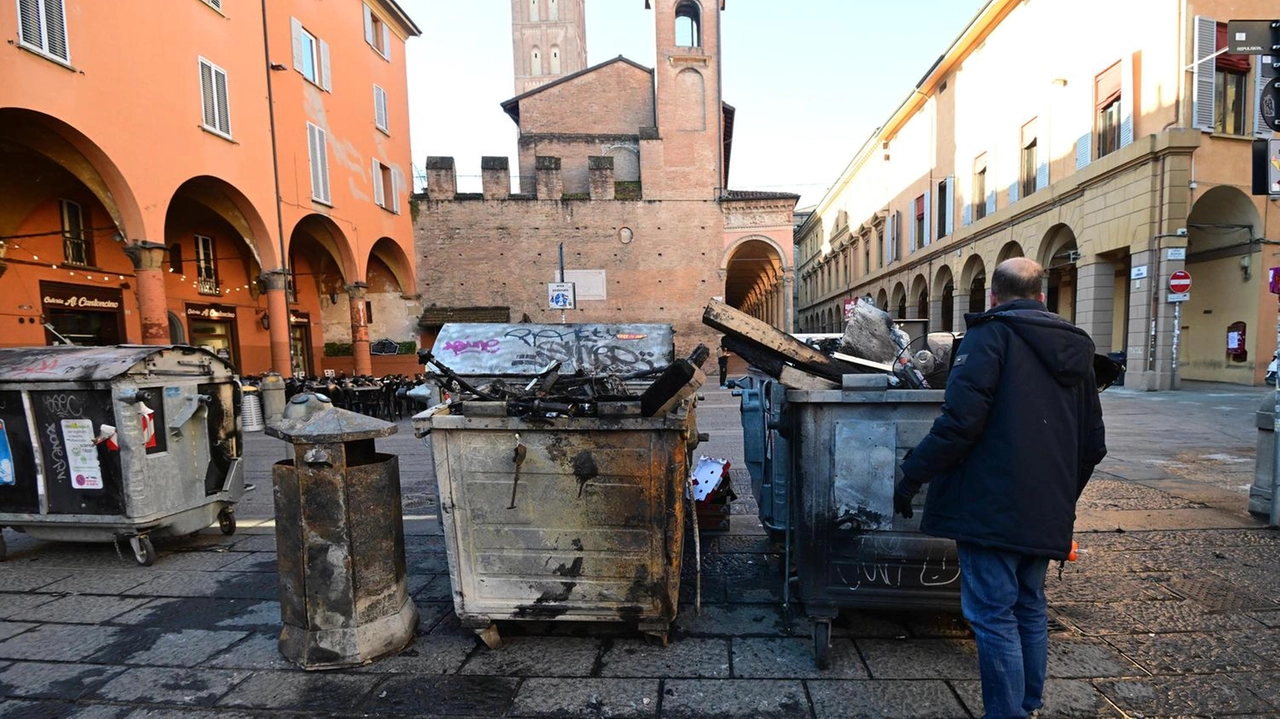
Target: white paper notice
(82, 454)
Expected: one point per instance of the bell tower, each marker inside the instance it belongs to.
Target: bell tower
(549, 41)
(688, 107)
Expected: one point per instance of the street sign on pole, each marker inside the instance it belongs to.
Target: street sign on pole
(560, 295)
(1180, 281)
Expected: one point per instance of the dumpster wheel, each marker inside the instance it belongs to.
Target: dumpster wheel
(143, 550)
(227, 521)
(822, 643)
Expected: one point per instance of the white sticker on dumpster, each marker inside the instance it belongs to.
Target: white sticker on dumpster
(6, 458)
(82, 454)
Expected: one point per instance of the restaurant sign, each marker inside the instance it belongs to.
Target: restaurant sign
(80, 297)
(211, 312)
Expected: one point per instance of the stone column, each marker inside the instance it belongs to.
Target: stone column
(789, 300)
(959, 307)
(1095, 300)
(276, 283)
(360, 328)
(153, 300)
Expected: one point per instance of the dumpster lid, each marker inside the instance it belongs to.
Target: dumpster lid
(330, 425)
(501, 350)
(64, 363)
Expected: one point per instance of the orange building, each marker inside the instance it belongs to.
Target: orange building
(221, 173)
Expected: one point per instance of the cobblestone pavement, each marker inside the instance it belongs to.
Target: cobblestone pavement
(1172, 611)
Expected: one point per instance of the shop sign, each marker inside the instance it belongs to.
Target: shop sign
(79, 297)
(211, 312)
(299, 318)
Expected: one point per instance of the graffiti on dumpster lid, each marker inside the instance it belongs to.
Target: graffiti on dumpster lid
(530, 348)
(458, 347)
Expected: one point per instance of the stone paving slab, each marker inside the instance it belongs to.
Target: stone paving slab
(928, 699)
(536, 657)
(159, 647)
(1200, 653)
(720, 620)
(9, 629)
(53, 681)
(156, 685)
(733, 699)
(446, 696)
(1209, 695)
(692, 657)
(264, 562)
(428, 654)
(1063, 699)
(96, 582)
(59, 642)
(1071, 658)
(920, 658)
(81, 609)
(297, 691)
(196, 613)
(586, 699)
(793, 658)
(259, 650)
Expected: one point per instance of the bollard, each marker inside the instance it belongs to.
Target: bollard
(344, 599)
(1260, 492)
(271, 389)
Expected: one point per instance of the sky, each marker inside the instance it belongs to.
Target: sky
(811, 79)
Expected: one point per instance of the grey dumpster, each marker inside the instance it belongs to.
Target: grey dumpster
(344, 598)
(124, 441)
(848, 548)
(565, 518)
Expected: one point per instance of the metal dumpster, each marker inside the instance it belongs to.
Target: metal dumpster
(552, 517)
(105, 442)
(848, 548)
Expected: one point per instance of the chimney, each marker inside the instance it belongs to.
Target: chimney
(442, 179)
(550, 182)
(495, 176)
(601, 169)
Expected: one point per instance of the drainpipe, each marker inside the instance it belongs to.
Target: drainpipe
(277, 292)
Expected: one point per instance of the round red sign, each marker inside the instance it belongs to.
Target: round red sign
(1180, 281)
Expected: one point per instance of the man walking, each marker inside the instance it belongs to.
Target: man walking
(1020, 433)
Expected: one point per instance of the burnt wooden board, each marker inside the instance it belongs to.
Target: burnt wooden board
(766, 341)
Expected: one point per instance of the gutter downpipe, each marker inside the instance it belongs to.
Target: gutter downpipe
(282, 318)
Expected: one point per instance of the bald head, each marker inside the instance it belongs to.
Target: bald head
(1018, 278)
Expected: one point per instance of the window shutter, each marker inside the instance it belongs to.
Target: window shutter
(967, 217)
(29, 22)
(368, 24)
(951, 204)
(313, 155)
(924, 241)
(889, 239)
(1206, 43)
(207, 98)
(1042, 176)
(380, 108)
(55, 29)
(386, 41)
(1013, 192)
(318, 146)
(298, 51)
(378, 199)
(991, 202)
(911, 234)
(322, 143)
(224, 111)
(324, 66)
(395, 191)
(1084, 150)
(1126, 99)
(1260, 128)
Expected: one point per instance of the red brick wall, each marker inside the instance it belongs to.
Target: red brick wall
(614, 99)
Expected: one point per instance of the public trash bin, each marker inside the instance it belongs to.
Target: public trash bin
(766, 450)
(344, 598)
(557, 511)
(847, 547)
(1119, 358)
(121, 441)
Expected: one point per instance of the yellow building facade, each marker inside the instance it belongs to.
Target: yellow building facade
(1113, 162)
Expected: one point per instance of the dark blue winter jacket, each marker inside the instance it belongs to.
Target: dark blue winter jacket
(1020, 433)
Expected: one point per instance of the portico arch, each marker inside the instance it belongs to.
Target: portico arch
(1058, 256)
(755, 267)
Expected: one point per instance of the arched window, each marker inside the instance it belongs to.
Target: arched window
(535, 62)
(533, 11)
(688, 24)
(555, 59)
(553, 9)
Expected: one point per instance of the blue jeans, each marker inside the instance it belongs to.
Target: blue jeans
(1002, 596)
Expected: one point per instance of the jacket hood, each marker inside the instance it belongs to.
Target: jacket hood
(1064, 349)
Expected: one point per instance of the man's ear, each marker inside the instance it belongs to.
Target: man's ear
(1041, 298)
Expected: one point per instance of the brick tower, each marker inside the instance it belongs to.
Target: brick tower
(690, 114)
(549, 40)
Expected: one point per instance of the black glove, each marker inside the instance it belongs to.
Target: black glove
(903, 493)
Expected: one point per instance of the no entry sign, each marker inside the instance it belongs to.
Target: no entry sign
(1180, 281)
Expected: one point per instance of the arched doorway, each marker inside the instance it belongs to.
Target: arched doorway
(920, 297)
(320, 307)
(1229, 301)
(1058, 256)
(946, 300)
(882, 300)
(388, 274)
(974, 277)
(753, 268)
(1010, 250)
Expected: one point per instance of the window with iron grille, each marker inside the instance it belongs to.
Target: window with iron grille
(42, 27)
(206, 266)
(75, 240)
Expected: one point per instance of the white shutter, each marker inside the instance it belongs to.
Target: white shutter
(380, 108)
(395, 191)
(324, 66)
(55, 29)
(1260, 128)
(1042, 175)
(1084, 150)
(889, 239)
(924, 241)
(386, 41)
(1126, 99)
(951, 204)
(30, 21)
(299, 52)
(377, 185)
(220, 95)
(322, 141)
(318, 147)
(1206, 43)
(1013, 192)
(313, 157)
(368, 25)
(207, 99)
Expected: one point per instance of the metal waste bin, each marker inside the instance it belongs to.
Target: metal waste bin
(104, 442)
(767, 450)
(848, 548)
(554, 517)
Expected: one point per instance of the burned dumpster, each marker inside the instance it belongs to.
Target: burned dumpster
(561, 461)
(128, 441)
